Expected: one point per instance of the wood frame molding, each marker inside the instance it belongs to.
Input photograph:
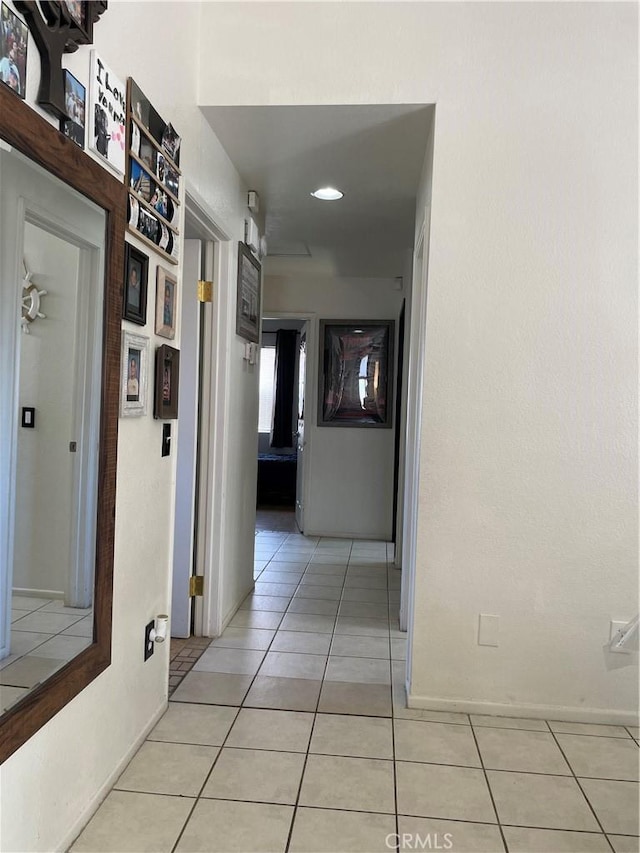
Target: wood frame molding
(33, 136)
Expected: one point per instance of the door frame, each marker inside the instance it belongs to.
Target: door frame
(415, 391)
(213, 420)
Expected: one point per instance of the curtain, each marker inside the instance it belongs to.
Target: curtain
(286, 346)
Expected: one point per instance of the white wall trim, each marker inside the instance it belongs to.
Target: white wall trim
(364, 537)
(39, 593)
(101, 794)
(214, 404)
(570, 714)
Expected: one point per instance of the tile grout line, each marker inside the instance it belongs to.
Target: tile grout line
(486, 779)
(313, 725)
(206, 779)
(582, 791)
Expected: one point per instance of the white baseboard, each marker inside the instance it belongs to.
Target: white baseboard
(101, 793)
(38, 593)
(537, 712)
(373, 537)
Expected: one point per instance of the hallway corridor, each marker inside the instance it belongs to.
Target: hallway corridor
(290, 733)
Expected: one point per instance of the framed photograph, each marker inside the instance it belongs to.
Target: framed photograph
(147, 153)
(75, 100)
(141, 182)
(135, 285)
(356, 373)
(13, 51)
(248, 304)
(167, 175)
(76, 9)
(167, 381)
(140, 106)
(149, 226)
(107, 111)
(134, 370)
(166, 303)
(171, 143)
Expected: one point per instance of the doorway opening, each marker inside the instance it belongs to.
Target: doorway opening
(192, 602)
(281, 438)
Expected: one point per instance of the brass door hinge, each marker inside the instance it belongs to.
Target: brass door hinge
(205, 291)
(196, 585)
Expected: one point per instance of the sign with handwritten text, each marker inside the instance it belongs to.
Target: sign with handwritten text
(106, 120)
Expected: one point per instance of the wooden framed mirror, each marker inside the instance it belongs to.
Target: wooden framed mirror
(37, 145)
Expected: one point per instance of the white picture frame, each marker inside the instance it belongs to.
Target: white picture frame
(134, 368)
(106, 117)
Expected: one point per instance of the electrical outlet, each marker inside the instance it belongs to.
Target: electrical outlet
(148, 642)
(166, 439)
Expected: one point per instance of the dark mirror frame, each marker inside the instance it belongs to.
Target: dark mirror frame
(34, 137)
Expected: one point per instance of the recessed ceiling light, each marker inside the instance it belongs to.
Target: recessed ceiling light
(327, 194)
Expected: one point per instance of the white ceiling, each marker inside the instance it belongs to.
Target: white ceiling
(373, 153)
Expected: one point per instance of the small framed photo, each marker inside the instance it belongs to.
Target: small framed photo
(76, 10)
(75, 99)
(171, 143)
(134, 370)
(167, 175)
(13, 51)
(140, 106)
(135, 285)
(166, 293)
(149, 226)
(248, 298)
(167, 381)
(141, 181)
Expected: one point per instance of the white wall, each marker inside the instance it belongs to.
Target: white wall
(44, 480)
(50, 785)
(349, 471)
(528, 494)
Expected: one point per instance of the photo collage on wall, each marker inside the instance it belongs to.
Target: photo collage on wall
(153, 176)
(13, 51)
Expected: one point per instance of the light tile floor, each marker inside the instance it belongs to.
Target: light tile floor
(291, 733)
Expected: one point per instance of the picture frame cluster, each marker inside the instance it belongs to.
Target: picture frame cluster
(153, 176)
(134, 374)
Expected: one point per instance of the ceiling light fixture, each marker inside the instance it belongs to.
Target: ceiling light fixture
(327, 194)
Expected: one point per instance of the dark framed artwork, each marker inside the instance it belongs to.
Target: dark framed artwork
(136, 271)
(356, 373)
(167, 382)
(248, 304)
(14, 36)
(75, 99)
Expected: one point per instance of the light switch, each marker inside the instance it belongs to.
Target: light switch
(28, 417)
(488, 630)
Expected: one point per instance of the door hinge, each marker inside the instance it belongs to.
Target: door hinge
(205, 291)
(196, 585)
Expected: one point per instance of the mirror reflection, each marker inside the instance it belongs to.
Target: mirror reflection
(52, 243)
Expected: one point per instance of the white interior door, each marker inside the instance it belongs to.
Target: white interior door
(187, 442)
(301, 441)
